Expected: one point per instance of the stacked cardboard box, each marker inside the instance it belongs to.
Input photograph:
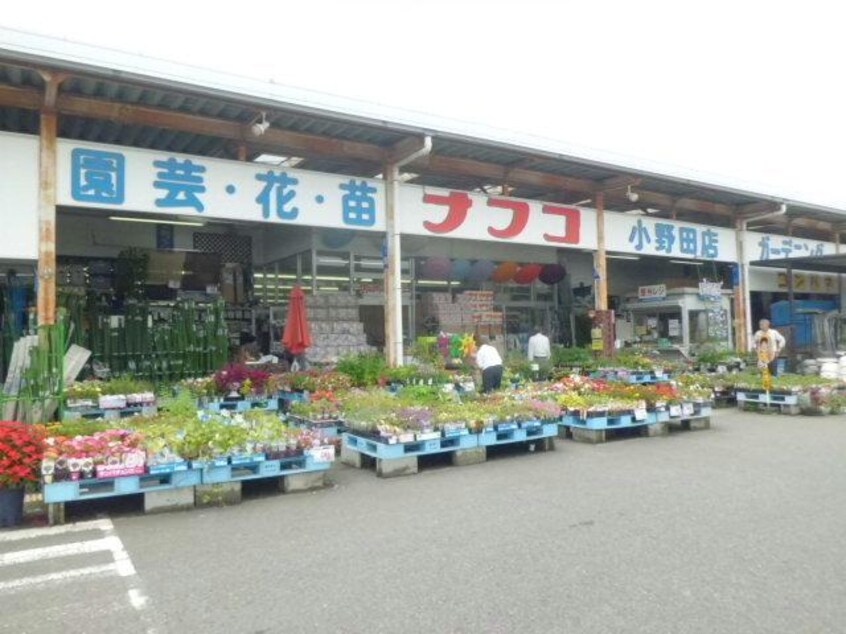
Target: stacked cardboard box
(336, 328)
(472, 311)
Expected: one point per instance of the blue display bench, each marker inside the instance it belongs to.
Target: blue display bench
(328, 428)
(393, 459)
(784, 402)
(240, 471)
(97, 488)
(385, 451)
(268, 404)
(178, 487)
(96, 413)
(527, 431)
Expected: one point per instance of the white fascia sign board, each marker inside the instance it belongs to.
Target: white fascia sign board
(19, 196)
(118, 178)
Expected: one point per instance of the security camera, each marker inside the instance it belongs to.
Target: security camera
(632, 196)
(260, 127)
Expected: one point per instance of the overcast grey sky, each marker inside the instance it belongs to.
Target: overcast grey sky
(751, 91)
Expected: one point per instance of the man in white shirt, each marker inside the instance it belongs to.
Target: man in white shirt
(539, 350)
(768, 344)
(490, 363)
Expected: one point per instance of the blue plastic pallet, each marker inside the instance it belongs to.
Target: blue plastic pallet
(293, 396)
(376, 449)
(75, 490)
(328, 429)
(263, 469)
(657, 416)
(762, 397)
(703, 411)
(527, 431)
(604, 422)
(94, 413)
(270, 404)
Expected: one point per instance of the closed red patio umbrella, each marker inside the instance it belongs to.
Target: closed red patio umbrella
(297, 335)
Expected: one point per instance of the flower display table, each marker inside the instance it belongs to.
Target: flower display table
(394, 456)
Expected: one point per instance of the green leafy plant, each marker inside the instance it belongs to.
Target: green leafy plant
(573, 357)
(82, 427)
(363, 369)
(714, 355)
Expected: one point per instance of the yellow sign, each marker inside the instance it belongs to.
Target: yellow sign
(808, 282)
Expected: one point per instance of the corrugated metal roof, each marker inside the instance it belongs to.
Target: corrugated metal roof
(125, 78)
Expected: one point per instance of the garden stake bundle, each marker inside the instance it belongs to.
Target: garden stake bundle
(190, 341)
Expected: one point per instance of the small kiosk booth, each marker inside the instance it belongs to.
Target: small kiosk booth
(682, 318)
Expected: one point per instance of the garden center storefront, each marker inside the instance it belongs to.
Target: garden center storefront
(203, 229)
(464, 231)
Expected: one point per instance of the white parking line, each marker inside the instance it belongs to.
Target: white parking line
(137, 598)
(33, 533)
(122, 565)
(57, 577)
(63, 550)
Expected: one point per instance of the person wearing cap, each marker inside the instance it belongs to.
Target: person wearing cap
(768, 344)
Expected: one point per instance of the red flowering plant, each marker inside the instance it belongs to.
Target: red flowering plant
(322, 405)
(240, 378)
(21, 449)
(317, 381)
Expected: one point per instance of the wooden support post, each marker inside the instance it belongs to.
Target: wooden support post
(600, 262)
(46, 297)
(404, 152)
(393, 272)
(839, 276)
(740, 296)
(790, 299)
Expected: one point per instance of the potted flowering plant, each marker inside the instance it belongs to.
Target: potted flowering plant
(82, 394)
(322, 407)
(237, 381)
(21, 448)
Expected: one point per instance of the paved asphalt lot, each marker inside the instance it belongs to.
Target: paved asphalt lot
(739, 529)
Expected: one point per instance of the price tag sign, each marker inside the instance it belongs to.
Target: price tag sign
(640, 413)
(323, 454)
(687, 409)
(675, 411)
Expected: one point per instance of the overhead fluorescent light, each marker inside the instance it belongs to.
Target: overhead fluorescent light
(184, 223)
(329, 261)
(623, 257)
(434, 283)
(689, 262)
(278, 161)
(270, 159)
(370, 264)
